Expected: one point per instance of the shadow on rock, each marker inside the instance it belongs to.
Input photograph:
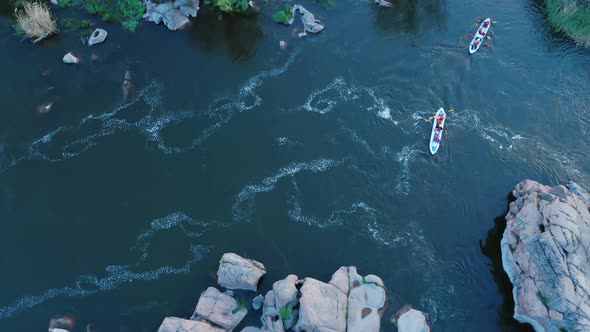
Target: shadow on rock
(491, 249)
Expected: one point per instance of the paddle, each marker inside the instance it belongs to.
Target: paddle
(489, 38)
(486, 44)
(470, 35)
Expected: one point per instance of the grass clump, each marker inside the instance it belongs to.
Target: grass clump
(570, 17)
(286, 312)
(124, 12)
(35, 21)
(283, 16)
(229, 6)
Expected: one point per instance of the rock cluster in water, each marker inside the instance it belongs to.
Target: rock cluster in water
(310, 24)
(174, 15)
(545, 252)
(348, 302)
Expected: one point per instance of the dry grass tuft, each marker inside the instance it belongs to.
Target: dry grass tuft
(36, 21)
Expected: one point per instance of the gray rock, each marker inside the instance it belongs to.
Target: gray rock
(545, 254)
(251, 329)
(173, 14)
(236, 272)
(257, 302)
(70, 58)
(187, 8)
(383, 3)
(412, 320)
(98, 36)
(174, 20)
(65, 323)
(323, 306)
(219, 308)
(174, 324)
(285, 292)
(366, 300)
(310, 24)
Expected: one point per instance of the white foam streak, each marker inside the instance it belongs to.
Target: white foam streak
(116, 275)
(244, 201)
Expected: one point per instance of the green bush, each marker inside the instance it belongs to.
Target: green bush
(283, 16)
(571, 18)
(65, 3)
(125, 12)
(229, 6)
(286, 312)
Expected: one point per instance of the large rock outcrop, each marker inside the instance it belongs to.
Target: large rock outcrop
(174, 324)
(349, 302)
(545, 252)
(236, 272)
(219, 308)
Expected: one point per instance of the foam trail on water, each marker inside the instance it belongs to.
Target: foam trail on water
(86, 134)
(117, 275)
(335, 218)
(244, 200)
(338, 91)
(402, 182)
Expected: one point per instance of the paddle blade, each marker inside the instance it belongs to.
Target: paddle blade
(493, 22)
(486, 44)
(470, 35)
(488, 37)
(431, 118)
(451, 109)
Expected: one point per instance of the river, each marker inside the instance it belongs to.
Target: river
(305, 159)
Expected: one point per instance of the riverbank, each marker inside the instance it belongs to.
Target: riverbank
(571, 17)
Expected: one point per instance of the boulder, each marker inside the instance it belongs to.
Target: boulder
(285, 292)
(174, 324)
(251, 329)
(257, 302)
(366, 301)
(236, 272)
(173, 14)
(187, 8)
(98, 36)
(310, 24)
(70, 58)
(545, 253)
(412, 320)
(383, 3)
(323, 306)
(65, 323)
(219, 308)
(174, 20)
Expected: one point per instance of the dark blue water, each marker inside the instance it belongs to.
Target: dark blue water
(305, 159)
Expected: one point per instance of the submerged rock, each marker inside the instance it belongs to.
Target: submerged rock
(98, 36)
(173, 14)
(65, 323)
(174, 324)
(411, 320)
(310, 24)
(70, 58)
(219, 308)
(545, 254)
(383, 3)
(257, 302)
(236, 272)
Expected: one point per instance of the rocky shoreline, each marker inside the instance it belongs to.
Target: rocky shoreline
(348, 302)
(545, 249)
